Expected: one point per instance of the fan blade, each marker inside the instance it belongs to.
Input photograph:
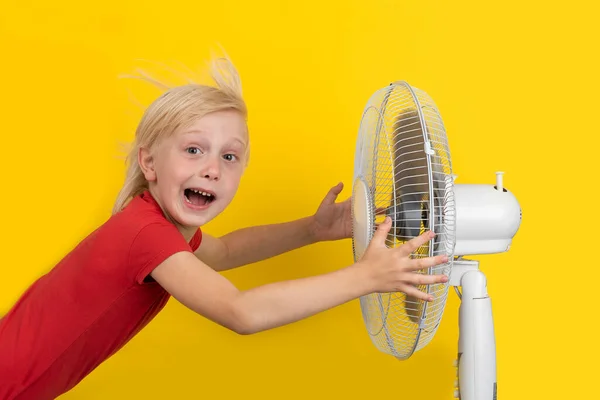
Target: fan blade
(410, 189)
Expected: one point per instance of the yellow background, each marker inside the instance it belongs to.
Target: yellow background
(517, 86)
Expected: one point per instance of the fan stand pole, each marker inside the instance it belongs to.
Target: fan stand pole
(476, 345)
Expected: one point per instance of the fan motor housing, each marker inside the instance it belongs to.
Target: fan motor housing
(487, 219)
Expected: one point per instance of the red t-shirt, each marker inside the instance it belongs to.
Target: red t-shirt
(90, 305)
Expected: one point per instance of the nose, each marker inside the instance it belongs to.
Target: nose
(211, 170)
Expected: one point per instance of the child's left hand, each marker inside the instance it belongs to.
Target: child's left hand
(333, 221)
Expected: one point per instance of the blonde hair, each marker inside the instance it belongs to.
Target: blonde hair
(176, 108)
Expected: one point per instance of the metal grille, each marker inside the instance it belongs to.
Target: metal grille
(403, 155)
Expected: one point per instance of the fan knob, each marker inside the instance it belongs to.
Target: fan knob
(499, 185)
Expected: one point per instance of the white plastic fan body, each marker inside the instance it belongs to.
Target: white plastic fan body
(403, 169)
(487, 218)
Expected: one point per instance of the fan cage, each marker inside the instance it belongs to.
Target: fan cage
(403, 155)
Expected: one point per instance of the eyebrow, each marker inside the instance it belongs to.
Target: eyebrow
(192, 131)
(201, 131)
(239, 141)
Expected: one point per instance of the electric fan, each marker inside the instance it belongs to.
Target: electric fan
(403, 169)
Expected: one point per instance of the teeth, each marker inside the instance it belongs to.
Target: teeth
(201, 192)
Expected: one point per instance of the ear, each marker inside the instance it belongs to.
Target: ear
(146, 163)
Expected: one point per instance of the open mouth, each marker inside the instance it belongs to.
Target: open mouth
(198, 197)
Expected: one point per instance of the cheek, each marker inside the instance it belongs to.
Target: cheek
(174, 169)
(234, 179)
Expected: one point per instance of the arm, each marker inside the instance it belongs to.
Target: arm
(331, 221)
(249, 245)
(381, 269)
(200, 288)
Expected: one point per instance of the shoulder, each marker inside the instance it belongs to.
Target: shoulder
(140, 211)
(143, 215)
(149, 236)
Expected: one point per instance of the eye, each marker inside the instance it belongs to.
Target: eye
(193, 150)
(230, 157)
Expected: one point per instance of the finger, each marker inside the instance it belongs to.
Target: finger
(427, 262)
(333, 193)
(422, 279)
(416, 242)
(414, 292)
(382, 230)
(380, 210)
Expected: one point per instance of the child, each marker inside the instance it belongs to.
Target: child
(190, 151)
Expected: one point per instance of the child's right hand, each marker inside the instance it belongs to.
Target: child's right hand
(392, 270)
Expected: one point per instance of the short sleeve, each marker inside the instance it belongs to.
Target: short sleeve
(196, 240)
(153, 244)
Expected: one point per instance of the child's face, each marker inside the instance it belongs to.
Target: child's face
(206, 157)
